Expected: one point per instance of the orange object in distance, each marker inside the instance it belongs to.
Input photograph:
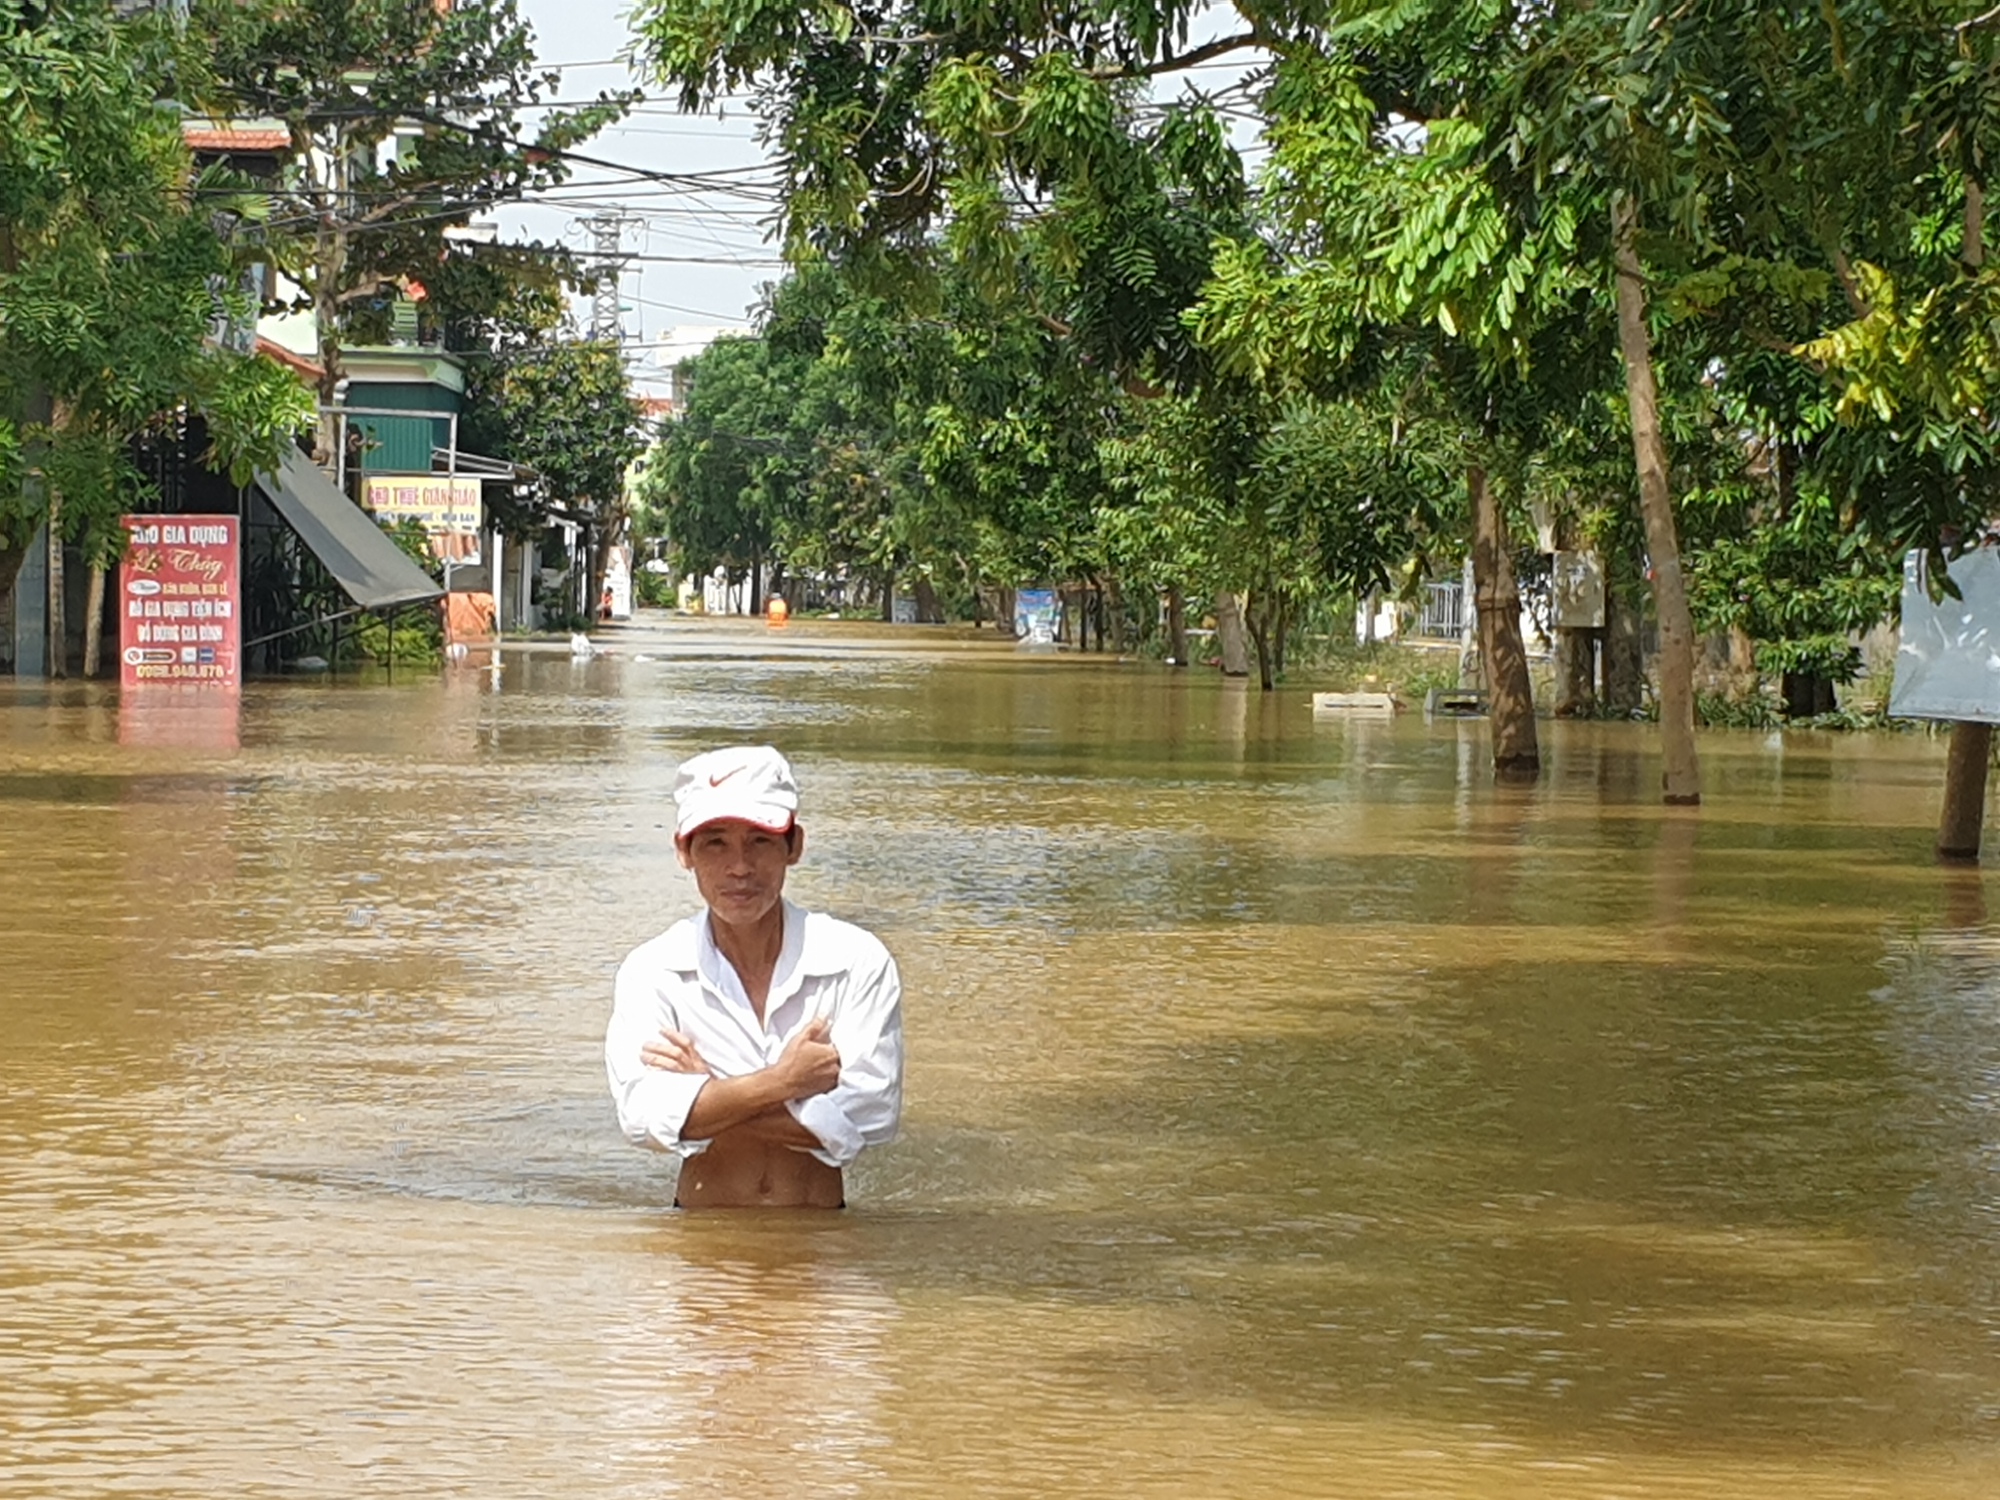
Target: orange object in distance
(776, 611)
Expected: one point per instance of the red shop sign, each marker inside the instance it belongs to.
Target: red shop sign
(179, 608)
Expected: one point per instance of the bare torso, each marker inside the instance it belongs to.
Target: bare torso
(740, 1170)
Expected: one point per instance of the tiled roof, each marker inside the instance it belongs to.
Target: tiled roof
(204, 138)
(298, 364)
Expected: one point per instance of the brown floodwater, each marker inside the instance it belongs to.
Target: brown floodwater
(1290, 1112)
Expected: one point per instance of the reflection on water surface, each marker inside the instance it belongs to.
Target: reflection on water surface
(1291, 1112)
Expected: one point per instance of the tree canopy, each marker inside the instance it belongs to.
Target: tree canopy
(405, 121)
(1749, 234)
(113, 273)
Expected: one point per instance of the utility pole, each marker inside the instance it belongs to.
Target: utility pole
(607, 233)
(607, 325)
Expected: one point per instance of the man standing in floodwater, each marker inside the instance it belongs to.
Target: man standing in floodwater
(760, 1042)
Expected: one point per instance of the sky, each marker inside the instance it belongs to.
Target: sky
(698, 255)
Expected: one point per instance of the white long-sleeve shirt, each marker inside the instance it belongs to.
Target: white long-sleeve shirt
(826, 967)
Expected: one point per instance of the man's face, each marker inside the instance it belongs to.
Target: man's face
(739, 868)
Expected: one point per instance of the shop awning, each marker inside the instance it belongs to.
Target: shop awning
(363, 561)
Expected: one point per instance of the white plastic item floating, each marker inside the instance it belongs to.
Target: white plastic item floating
(579, 645)
(1373, 705)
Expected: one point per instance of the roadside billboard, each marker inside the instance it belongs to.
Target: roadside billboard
(179, 605)
(1948, 662)
(1036, 616)
(446, 506)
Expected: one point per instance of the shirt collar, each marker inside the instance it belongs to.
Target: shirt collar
(806, 950)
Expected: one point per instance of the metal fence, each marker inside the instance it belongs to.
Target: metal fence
(1443, 617)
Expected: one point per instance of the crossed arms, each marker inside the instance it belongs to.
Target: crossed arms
(753, 1103)
(835, 1088)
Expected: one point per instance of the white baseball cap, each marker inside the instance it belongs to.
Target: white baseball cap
(751, 782)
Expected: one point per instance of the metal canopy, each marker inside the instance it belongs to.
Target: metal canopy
(363, 561)
(463, 465)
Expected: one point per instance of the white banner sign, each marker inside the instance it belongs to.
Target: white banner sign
(1948, 665)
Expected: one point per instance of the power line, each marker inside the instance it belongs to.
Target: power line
(773, 261)
(733, 319)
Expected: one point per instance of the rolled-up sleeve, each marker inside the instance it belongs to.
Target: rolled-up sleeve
(864, 1108)
(652, 1104)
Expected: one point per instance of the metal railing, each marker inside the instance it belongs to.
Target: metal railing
(341, 412)
(1443, 615)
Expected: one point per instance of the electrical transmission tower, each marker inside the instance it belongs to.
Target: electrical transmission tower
(607, 233)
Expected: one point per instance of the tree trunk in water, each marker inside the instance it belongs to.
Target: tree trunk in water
(1576, 672)
(1681, 780)
(1510, 699)
(1963, 820)
(93, 624)
(596, 566)
(888, 598)
(1964, 816)
(1229, 635)
(929, 611)
(58, 626)
(1177, 647)
(1114, 605)
(1257, 617)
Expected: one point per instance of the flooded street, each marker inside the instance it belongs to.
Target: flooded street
(1290, 1112)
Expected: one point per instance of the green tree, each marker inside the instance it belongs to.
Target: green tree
(977, 152)
(1556, 130)
(566, 412)
(1914, 362)
(1757, 160)
(1496, 195)
(1708, 170)
(1391, 277)
(724, 467)
(109, 284)
(857, 434)
(406, 120)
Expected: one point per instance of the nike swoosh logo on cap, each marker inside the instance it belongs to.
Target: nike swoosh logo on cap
(718, 780)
